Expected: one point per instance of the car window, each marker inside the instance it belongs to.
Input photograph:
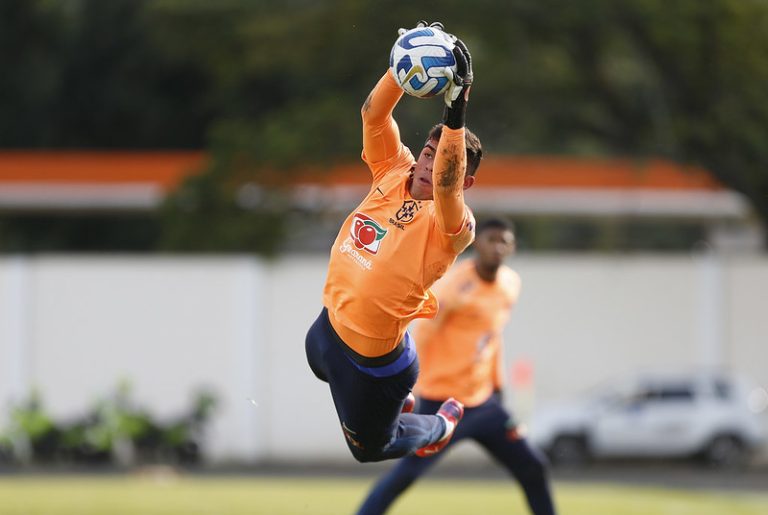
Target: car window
(666, 393)
(678, 393)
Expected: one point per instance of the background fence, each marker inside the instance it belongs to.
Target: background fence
(73, 327)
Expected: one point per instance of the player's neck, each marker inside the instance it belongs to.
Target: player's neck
(486, 273)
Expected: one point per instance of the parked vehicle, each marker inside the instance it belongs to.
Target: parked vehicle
(703, 416)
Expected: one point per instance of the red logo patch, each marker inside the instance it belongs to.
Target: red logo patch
(366, 233)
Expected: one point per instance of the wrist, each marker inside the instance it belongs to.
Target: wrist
(454, 117)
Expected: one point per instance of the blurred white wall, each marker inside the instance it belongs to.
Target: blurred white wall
(75, 326)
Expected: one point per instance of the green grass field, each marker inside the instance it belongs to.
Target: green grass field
(75, 495)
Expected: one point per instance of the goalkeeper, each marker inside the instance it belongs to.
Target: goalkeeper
(401, 238)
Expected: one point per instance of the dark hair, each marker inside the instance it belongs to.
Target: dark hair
(474, 147)
(494, 223)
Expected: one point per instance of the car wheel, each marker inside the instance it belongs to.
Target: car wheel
(569, 451)
(726, 452)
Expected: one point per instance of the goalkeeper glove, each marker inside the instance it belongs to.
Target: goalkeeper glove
(457, 94)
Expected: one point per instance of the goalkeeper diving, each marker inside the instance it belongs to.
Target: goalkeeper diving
(400, 239)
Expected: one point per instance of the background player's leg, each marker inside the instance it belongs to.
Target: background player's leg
(526, 464)
(395, 482)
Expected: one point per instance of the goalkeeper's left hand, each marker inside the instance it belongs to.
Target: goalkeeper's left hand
(457, 95)
(461, 81)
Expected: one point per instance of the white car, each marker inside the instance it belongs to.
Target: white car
(654, 417)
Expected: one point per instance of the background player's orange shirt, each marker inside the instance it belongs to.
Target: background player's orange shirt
(460, 351)
(391, 249)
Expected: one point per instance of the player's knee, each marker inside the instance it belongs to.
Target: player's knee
(365, 455)
(367, 451)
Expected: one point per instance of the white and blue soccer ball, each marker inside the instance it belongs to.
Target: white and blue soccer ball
(418, 61)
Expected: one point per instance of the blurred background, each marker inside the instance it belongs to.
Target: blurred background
(173, 173)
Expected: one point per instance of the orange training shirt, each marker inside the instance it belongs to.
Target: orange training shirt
(460, 351)
(391, 248)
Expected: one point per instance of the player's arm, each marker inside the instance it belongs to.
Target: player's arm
(450, 164)
(381, 136)
(515, 287)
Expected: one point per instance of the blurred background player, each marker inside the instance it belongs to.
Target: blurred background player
(460, 353)
(401, 238)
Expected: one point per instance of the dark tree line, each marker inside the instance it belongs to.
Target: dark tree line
(269, 84)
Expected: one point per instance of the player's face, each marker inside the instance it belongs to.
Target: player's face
(493, 246)
(421, 185)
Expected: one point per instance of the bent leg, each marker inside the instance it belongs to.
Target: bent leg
(369, 400)
(369, 411)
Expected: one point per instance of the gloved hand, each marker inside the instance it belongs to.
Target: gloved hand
(461, 81)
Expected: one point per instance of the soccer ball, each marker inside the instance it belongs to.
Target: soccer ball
(418, 61)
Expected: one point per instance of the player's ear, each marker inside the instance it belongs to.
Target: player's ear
(469, 180)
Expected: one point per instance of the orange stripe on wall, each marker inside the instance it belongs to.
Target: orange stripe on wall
(167, 169)
(556, 172)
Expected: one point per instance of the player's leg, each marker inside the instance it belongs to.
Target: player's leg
(395, 482)
(498, 434)
(369, 411)
(369, 399)
(406, 472)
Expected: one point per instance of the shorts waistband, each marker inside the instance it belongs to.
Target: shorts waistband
(380, 366)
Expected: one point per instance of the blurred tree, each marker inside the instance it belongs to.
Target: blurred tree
(270, 86)
(210, 212)
(31, 37)
(120, 89)
(708, 105)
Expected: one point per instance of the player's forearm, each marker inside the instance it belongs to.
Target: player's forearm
(448, 179)
(381, 137)
(381, 101)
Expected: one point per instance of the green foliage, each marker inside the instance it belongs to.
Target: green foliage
(113, 430)
(279, 84)
(208, 213)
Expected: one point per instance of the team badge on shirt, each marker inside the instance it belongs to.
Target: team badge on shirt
(407, 211)
(366, 233)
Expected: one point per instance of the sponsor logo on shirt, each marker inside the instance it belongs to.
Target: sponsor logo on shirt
(366, 233)
(348, 248)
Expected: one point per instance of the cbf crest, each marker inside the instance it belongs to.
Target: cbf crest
(407, 211)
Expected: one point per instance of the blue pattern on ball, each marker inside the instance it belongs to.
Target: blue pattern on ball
(416, 67)
(405, 42)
